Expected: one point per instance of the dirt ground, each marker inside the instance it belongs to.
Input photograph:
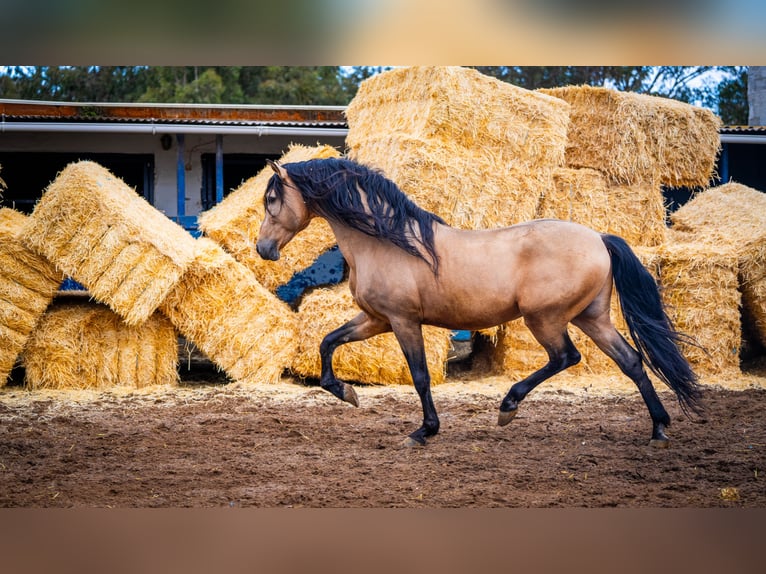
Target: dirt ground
(209, 443)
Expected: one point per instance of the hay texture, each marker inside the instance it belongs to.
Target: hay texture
(636, 138)
(234, 224)
(87, 346)
(242, 327)
(636, 213)
(378, 360)
(470, 148)
(100, 232)
(28, 283)
(699, 288)
(733, 215)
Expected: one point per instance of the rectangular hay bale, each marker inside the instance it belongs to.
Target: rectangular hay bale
(636, 213)
(88, 346)
(241, 326)
(699, 288)
(378, 360)
(636, 138)
(28, 283)
(469, 189)
(99, 231)
(234, 224)
(733, 216)
(457, 106)
(470, 148)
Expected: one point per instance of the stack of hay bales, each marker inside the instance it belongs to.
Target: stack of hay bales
(234, 225)
(636, 144)
(470, 148)
(622, 148)
(134, 259)
(97, 230)
(28, 283)
(733, 216)
(233, 319)
(88, 346)
(378, 360)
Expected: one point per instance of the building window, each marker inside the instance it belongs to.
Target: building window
(28, 174)
(237, 168)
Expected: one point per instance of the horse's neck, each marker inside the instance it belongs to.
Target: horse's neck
(350, 241)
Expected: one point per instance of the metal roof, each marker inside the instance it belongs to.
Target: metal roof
(13, 111)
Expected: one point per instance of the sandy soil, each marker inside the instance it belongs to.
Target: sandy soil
(576, 443)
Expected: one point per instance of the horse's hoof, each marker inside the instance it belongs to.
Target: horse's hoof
(659, 443)
(349, 395)
(410, 442)
(505, 417)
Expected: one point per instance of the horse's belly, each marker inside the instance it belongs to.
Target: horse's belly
(471, 311)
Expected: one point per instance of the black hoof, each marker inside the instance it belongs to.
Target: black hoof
(349, 395)
(659, 439)
(410, 442)
(506, 416)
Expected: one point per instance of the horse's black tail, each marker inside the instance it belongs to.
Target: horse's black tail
(650, 327)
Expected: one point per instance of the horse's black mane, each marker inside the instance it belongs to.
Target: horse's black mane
(331, 188)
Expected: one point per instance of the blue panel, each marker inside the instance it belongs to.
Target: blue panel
(328, 269)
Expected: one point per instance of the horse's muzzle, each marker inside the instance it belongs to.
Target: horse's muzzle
(267, 249)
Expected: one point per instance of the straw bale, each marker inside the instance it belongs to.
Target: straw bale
(88, 346)
(242, 327)
(378, 360)
(234, 224)
(460, 105)
(635, 138)
(469, 189)
(100, 232)
(28, 283)
(699, 288)
(472, 149)
(733, 215)
(636, 213)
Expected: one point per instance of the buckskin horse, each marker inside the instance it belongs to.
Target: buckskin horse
(408, 268)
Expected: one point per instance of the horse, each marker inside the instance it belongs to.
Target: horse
(408, 268)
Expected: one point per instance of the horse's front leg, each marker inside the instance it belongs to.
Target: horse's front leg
(410, 337)
(361, 327)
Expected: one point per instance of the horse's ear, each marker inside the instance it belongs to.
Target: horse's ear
(278, 169)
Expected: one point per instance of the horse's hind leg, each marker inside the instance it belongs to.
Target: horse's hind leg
(561, 355)
(361, 327)
(609, 340)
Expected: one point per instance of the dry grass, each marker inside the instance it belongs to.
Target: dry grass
(28, 283)
(635, 138)
(242, 327)
(234, 224)
(88, 346)
(378, 360)
(100, 232)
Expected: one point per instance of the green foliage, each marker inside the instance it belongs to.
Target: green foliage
(723, 89)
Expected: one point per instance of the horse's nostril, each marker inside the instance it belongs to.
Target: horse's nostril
(267, 250)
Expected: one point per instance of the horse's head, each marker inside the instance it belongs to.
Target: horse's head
(286, 214)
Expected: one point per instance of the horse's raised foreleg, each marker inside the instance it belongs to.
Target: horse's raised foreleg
(410, 337)
(361, 327)
(561, 355)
